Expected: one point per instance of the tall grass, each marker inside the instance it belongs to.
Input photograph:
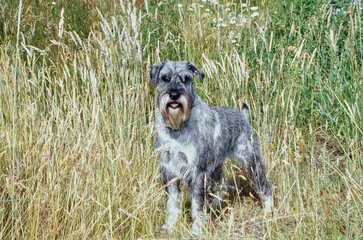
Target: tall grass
(76, 114)
(15, 93)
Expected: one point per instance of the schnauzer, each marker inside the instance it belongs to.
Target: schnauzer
(194, 139)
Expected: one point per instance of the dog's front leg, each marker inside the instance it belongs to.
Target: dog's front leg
(199, 203)
(172, 206)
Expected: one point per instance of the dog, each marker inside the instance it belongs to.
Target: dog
(194, 139)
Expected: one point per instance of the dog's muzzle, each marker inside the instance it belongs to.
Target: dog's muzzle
(174, 95)
(175, 108)
(174, 103)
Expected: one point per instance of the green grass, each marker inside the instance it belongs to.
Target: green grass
(76, 113)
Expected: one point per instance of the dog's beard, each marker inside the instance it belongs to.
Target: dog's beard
(175, 112)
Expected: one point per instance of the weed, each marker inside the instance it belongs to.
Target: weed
(76, 114)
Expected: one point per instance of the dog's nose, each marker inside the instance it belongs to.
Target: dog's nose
(174, 95)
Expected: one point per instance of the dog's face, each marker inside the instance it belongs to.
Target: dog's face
(176, 90)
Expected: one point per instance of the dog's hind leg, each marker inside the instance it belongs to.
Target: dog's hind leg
(248, 154)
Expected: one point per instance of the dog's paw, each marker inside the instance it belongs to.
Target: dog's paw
(166, 229)
(197, 229)
(268, 206)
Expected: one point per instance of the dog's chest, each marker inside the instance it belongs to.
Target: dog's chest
(179, 159)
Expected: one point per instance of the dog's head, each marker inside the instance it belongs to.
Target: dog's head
(176, 90)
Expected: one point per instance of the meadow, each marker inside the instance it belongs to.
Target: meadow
(77, 157)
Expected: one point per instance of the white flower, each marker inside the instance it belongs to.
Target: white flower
(215, 20)
(243, 19)
(159, 3)
(179, 5)
(207, 10)
(233, 41)
(256, 14)
(253, 8)
(244, 5)
(233, 21)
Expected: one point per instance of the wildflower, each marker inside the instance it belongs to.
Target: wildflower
(159, 3)
(244, 5)
(233, 41)
(256, 14)
(215, 2)
(179, 5)
(215, 20)
(253, 8)
(233, 21)
(243, 19)
(207, 10)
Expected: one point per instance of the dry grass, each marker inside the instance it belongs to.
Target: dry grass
(76, 115)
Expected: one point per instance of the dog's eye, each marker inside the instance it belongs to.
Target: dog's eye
(165, 78)
(187, 79)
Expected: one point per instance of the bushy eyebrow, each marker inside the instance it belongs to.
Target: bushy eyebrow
(167, 73)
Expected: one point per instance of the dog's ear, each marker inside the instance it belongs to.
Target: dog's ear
(195, 70)
(154, 72)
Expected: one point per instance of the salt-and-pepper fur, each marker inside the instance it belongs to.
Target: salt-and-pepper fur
(194, 139)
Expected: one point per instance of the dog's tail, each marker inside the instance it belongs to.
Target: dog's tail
(246, 112)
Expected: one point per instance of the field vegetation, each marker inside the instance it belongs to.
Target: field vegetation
(76, 114)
